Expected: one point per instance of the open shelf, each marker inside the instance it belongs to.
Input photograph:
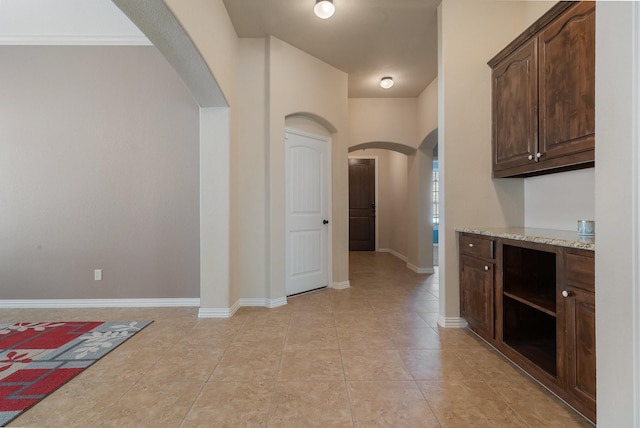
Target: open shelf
(530, 277)
(536, 301)
(530, 332)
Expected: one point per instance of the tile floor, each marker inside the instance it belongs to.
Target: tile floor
(371, 355)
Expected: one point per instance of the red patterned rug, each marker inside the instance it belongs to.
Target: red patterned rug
(38, 358)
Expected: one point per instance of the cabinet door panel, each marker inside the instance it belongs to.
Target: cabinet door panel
(567, 83)
(580, 327)
(515, 109)
(476, 295)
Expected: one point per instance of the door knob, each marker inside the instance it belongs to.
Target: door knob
(325, 221)
(566, 293)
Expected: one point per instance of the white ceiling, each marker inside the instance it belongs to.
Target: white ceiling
(368, 39)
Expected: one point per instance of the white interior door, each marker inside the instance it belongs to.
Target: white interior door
(307, 220)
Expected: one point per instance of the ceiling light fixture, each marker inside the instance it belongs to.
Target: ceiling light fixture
(324, 9)
(386, 82)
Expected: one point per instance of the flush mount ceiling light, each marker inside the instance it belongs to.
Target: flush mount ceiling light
(324, 9)
(386, 82)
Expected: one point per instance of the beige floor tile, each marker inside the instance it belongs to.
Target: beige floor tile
(184, 365)
(468, 403)
(389, 404)
(231, 404)
(536, 406)
(311, 338)
(264, 338)
(214, 339)
(149, 405)
(72, 404)
(359, 338)
(242, 364)
(415, 338)
(310, 404)
(433, 364)
(312, 319)
(315, 364)
(374, 365)
(267, 320)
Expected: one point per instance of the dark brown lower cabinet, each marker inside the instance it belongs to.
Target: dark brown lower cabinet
(476, 295)
(535, 303)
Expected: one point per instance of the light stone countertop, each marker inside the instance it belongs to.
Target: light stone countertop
(562, 238)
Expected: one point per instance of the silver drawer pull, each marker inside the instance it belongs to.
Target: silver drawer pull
(566, 293)
(486, 268)
(471, 245)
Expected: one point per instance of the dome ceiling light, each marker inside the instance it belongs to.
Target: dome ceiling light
(324, 9)
(386, 82)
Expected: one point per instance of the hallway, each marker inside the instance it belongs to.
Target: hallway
(371, 355)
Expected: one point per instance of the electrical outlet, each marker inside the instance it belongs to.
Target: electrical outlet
(97, 275)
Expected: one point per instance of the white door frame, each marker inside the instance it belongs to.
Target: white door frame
(329, 183)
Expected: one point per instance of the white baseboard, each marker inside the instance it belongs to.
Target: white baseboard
(267, 303)
(417, 269)
(340, 285)
(248, 302)
(451, 322)
(394, 252)
(99, 303)
(219, 312)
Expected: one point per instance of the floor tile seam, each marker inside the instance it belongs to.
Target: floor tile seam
(433, 412)
(184, 417)
(513, 409)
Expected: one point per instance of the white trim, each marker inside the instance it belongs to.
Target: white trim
(75, 40)
(340, 285)
(417, 269)
(218, 312)
(451, 322)
(99, 303)
(394, 252)
(261, 302)
(240, 303)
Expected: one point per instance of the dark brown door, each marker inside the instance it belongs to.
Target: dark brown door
(362, 205)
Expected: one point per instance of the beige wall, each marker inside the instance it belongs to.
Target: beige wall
(302, 84)
(397, 200)
(470, 197)
(428, 111)
(249, 174)
(99, 165)
(383, 119)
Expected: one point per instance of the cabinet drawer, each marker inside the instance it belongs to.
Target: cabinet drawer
(581, 270)
(474, 245)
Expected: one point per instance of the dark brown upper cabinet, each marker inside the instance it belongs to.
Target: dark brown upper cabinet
(543, 95)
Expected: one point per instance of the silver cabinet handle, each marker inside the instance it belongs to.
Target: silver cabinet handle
(530, 157)
(566, 293)
(538, 155)
(486, 268)
(471, 245)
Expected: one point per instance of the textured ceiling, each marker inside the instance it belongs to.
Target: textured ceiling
(367, 39)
